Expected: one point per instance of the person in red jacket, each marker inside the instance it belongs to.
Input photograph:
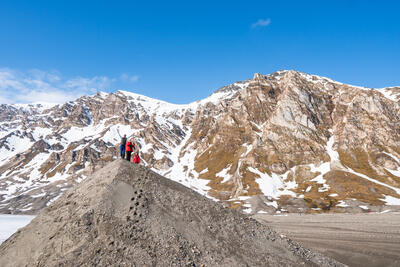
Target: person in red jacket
(136, 158)
(129, 149)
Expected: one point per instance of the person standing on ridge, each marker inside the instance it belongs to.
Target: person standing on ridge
(136, 159)
(122, 147)
(129, 149)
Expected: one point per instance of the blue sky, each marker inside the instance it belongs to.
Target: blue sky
(182, 51)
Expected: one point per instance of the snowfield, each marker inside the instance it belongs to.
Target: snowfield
(9, 224)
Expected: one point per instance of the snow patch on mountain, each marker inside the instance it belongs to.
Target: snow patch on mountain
(397, 190)
(274, 185)
(224, 174)
(14, 145)
(116, 132)
(390, 94)
(151, 105)
(391, 200)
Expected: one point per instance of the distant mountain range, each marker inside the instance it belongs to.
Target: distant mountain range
(283, 142)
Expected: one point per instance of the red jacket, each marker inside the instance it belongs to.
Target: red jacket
(129, 146)
(136, 159)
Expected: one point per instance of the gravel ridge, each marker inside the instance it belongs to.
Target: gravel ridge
(127, 215)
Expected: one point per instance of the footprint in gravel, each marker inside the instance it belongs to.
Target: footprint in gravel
(137, 206)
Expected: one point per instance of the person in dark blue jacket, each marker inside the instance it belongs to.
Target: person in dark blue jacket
(122, 146)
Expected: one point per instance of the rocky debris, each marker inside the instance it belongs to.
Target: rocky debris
(125, 214)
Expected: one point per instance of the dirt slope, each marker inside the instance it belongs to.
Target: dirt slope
(127, 215)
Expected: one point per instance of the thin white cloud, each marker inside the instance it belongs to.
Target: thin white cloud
(51, 76)
(54, 97)
(91, 85)
(4, 100)
(41, 86)
(8, 80)
(261, 23)
(129, 78)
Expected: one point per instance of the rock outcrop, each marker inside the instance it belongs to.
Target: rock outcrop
(127, 215)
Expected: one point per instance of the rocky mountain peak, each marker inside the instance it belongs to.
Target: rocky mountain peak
(258, 76)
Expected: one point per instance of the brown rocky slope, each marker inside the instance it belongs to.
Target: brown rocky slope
(127, 215)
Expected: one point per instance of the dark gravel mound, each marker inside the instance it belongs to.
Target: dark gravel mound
(127, 215)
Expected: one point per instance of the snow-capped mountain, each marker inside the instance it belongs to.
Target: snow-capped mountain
(287, 141)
